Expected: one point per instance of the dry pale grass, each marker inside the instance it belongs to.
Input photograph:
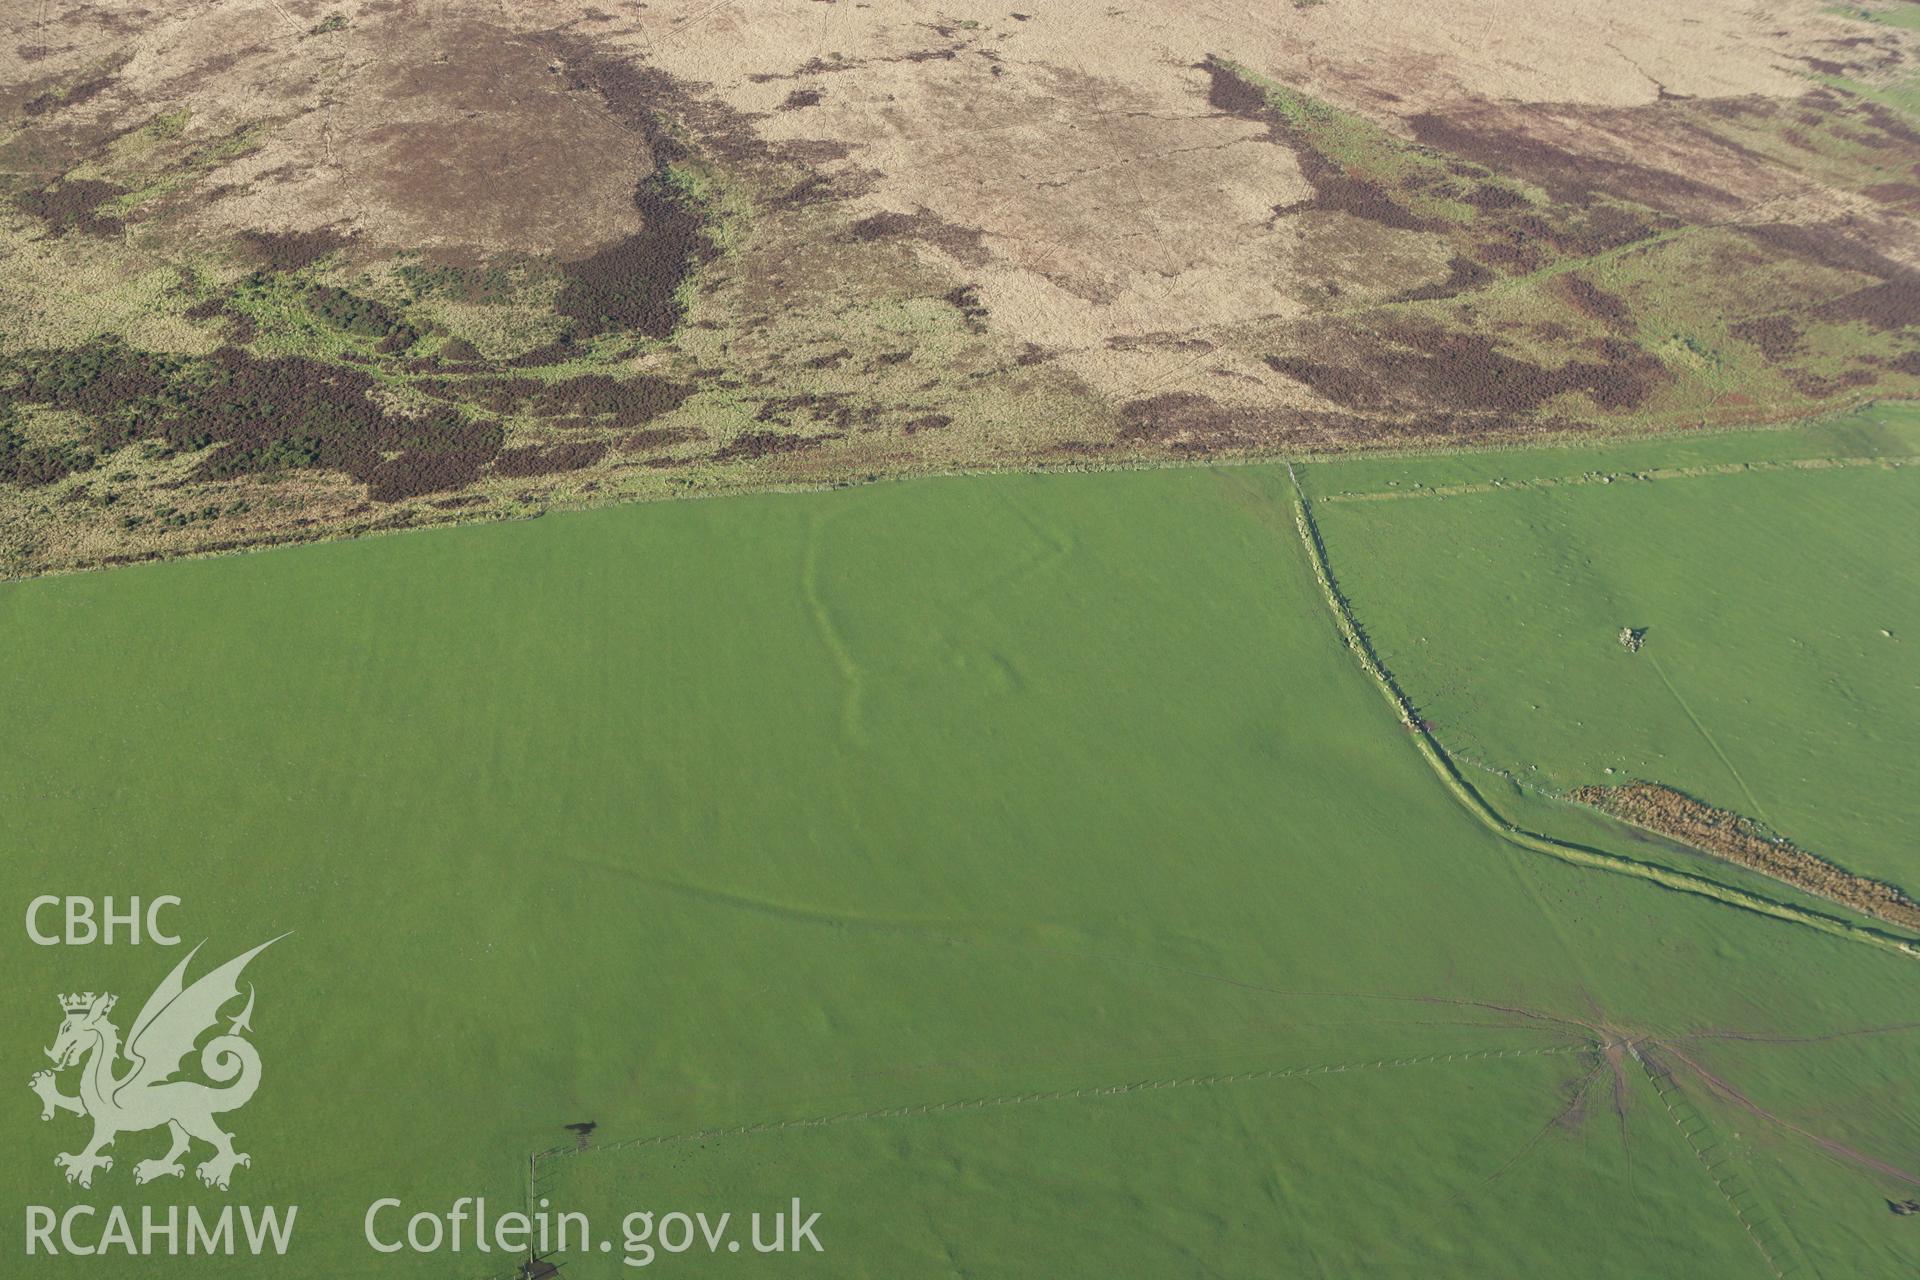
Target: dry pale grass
(960, 235)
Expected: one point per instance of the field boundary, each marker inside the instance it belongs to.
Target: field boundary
(1122, 1089)
(1888, 462)
(1592, 434)
(557, 1154)
(1775, 1244)
(1477, 805)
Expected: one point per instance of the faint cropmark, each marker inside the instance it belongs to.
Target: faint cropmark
(145, 1095)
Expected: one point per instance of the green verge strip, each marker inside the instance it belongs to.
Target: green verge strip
(1477, 805)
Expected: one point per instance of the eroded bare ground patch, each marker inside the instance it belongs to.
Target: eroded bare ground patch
(286, 271)
(1728, 835)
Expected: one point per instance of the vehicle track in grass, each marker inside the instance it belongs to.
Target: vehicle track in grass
(1706, 735)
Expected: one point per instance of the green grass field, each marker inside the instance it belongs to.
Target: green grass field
(1781, 599)
(1019, 870)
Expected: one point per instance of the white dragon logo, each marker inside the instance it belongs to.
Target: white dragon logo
(147, 1096)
